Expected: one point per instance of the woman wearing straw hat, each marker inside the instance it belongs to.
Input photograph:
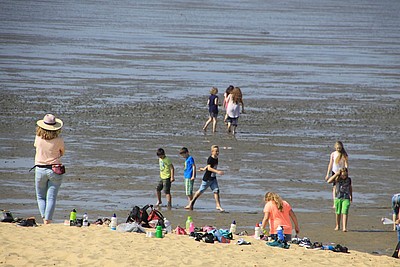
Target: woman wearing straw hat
(49, 150)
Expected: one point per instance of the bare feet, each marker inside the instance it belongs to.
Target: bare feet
(344, 230)
(220, 209)
(46, 221)
(337, 228)
(158, 204)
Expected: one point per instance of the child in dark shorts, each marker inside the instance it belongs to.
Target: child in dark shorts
(166, 177)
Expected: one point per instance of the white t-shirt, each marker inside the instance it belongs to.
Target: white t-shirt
(233, 109)
(337, 166)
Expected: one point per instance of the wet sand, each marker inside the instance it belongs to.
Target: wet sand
(111, 163)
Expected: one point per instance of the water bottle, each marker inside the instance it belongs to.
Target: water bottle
(257, 231)
(85, 220)
(279, 231)
(113, 223)
(191, 227)
(233, 227)
(188, 221)
(72, 217)
(159, 233)
(168, 227)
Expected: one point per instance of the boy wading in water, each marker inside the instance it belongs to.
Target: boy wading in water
(344, 195)
(209, 179)
(189, 172)
(166, 177)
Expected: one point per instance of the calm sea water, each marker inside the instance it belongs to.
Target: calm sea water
(270, 48)
(312, 49)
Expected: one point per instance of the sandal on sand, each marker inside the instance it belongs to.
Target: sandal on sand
(29, 222)
(339, 248)
(241, 241)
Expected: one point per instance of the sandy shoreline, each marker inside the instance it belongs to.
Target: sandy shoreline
(61, 245)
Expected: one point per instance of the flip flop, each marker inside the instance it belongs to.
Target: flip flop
(241, 241)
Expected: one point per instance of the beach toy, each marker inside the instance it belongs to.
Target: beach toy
(113, 223)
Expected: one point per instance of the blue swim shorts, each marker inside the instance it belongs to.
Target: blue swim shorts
(213, 184)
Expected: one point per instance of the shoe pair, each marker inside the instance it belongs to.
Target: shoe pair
(29, 222)
(339, 248)
(278, 243)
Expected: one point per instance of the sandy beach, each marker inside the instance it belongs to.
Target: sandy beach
(59, 245)
(128, 83)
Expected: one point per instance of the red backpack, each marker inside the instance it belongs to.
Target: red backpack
(155, 215)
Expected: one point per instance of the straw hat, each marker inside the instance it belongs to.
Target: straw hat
(50, 123)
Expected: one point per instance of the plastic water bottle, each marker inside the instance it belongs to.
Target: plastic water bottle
(191, 227)
(85, 220)
(168, 227)
(257, 231)
(72, 217)
(159, 233)
(113, 223)
(188, 221)
(233, 227)
(279, 231)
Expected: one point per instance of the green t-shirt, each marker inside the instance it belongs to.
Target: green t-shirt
(165, 167)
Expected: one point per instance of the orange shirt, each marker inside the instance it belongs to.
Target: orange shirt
(48, 152)
(277, 217)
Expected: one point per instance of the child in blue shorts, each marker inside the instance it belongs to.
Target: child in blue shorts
(189, 173)
(343, 197)
(209, 179)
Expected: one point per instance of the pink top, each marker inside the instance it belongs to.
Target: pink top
(227, 98)
(49, 152)
(277, 217)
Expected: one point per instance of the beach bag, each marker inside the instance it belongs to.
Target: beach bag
(6, 216)
(155, 218)
(139, 215)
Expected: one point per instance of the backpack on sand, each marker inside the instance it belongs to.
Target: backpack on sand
(155, 218)
(139, 215)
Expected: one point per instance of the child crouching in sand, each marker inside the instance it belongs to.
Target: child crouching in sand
(343, 197)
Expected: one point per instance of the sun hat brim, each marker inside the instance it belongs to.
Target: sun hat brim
(55, 127)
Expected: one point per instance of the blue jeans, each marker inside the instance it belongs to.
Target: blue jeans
(398, 232)
(47, 184)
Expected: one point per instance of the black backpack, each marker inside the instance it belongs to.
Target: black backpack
(139, 215)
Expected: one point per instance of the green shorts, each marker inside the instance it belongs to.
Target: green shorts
(189, 187)
(342, 206)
